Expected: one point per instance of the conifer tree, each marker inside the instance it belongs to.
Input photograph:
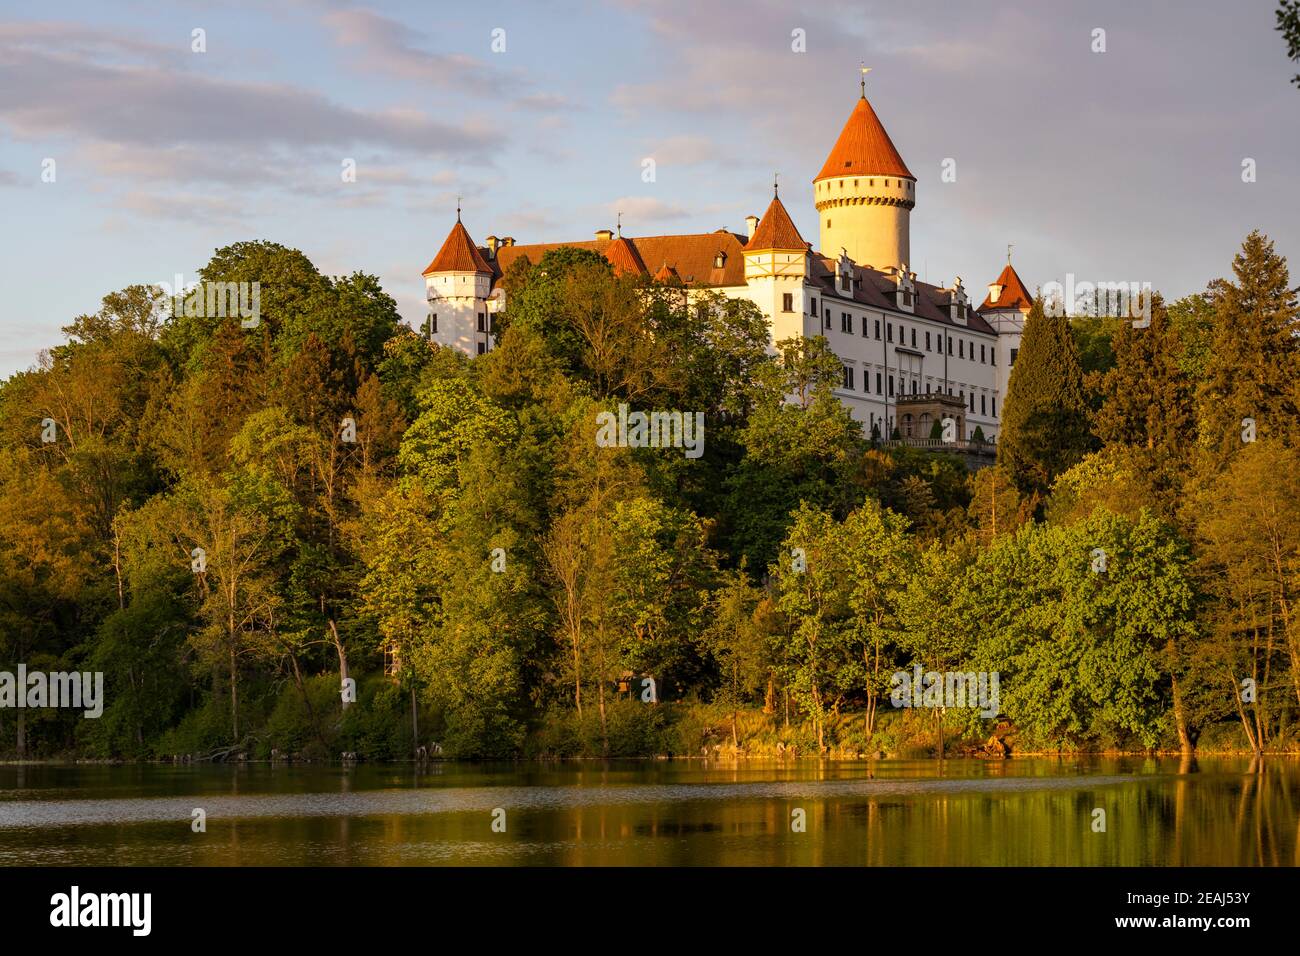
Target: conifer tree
(1045, 425)
(1252, 369)
(1147, 402)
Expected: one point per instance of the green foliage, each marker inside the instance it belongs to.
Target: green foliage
(499, 584)
(1045, 426)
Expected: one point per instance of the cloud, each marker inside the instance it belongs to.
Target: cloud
(48, 88)
(688, 151)
(648, 209)
(383, 46)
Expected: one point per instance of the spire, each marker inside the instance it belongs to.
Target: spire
(624, 257)
(776, 230)
(864, 148)
(458, 253)
(776, 191)
(458, 209)
(1008, 292)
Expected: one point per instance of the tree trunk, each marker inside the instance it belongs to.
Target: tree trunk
(344, 673)
(234, 695)
(1186, 735)
(1241, 712)
(415, 720)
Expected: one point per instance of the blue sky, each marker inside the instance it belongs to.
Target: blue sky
(1116, 166)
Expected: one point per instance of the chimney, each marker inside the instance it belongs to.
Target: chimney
(605, 234)
(508, 241)
(751, 223)
(492, 243)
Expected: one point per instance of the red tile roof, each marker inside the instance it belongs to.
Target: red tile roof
(624, 257)
(692, 255)
(873, 288)
(776, 230)
(1014, 295)
(458, 254)
(864, 148)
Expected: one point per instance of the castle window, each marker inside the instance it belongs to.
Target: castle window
(846, 323)
(787, 302)
(961, 350)
(914, 338)
(812, 306)
(983, 405)
(949, 348)
(855, 184)
(889, 331)
(1013, 356)
(994, 402)
(433, 323)
(828, 223)
(482, 322)
(719, 260)
(927, 342)
(891, 386)
(848, 378)
(864, 326)
(981, 351)
(878, 388)
(871, 182)
(482, 347)
(877, 330)
(913, 386)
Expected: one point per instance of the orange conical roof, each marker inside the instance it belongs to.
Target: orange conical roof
(864, 148)
(776, 230)
(1013, 294)
(667, 273)
(458, 254)
(624, 257)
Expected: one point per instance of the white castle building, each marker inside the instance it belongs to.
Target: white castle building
(912, 352)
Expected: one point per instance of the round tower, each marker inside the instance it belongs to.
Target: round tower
(865, 194)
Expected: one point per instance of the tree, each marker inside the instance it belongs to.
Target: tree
(1147, 405)
(1288, 24)
(738, 642)
(1253, 369)
(1045, 426)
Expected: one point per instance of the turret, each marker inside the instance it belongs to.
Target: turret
(865, 194)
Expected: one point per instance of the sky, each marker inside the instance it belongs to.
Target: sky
(1119, 166)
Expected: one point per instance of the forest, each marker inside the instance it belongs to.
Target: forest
(323, 534)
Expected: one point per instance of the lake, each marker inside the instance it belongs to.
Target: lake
(1216, 811)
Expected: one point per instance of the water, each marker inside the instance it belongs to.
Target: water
(1032, 811)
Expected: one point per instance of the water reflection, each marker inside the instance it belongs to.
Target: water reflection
(1035, 812)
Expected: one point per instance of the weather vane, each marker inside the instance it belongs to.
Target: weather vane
(1009, 245)
(618, 224)
(776, 193)
(458, 209)
(865, 70)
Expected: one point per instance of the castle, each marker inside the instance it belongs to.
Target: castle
(913, 353)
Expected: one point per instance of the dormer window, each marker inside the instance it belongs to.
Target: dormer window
(719, 260)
